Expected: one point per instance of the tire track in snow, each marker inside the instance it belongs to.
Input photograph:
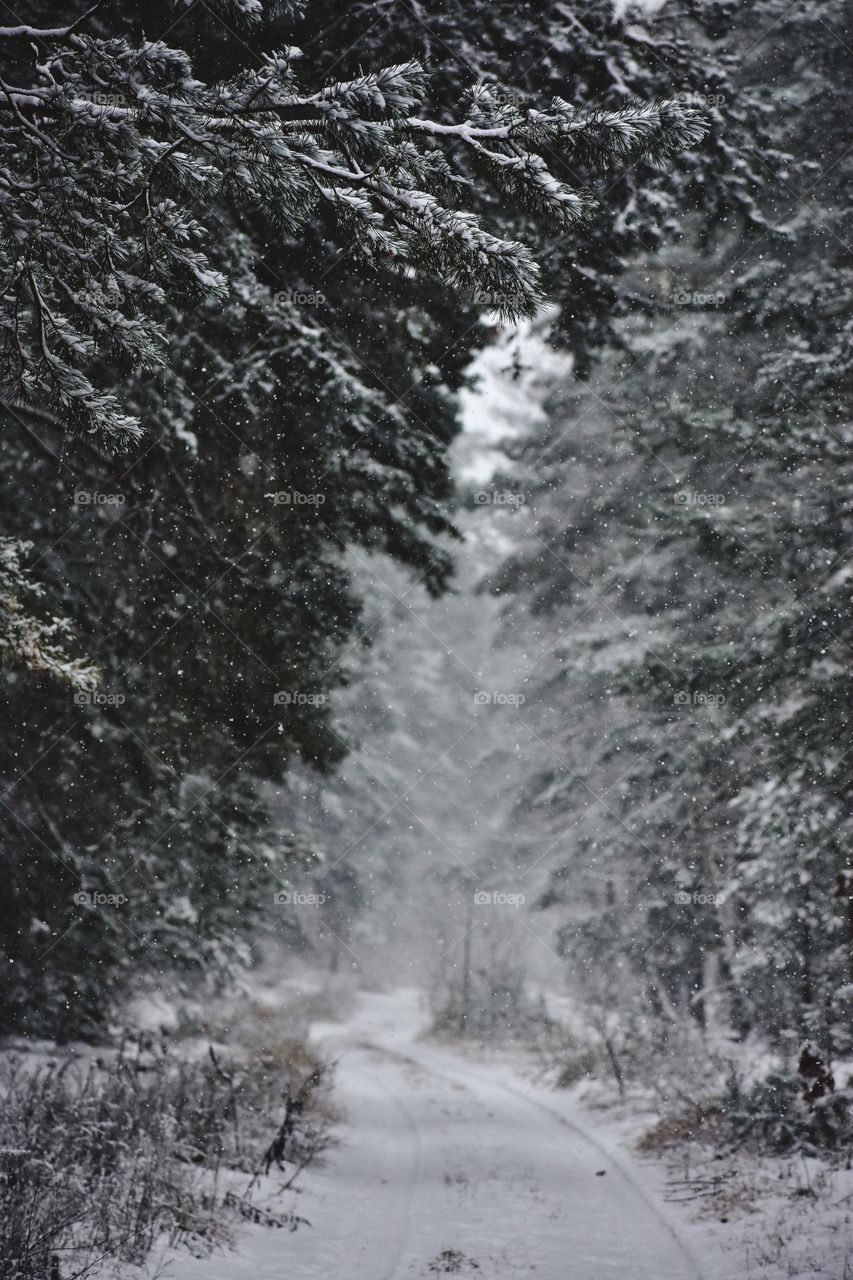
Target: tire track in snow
(466, 1076)
(412, 1181)
(441, 1158)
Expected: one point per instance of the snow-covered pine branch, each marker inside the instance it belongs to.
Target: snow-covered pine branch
(108, 147)
(27, 641)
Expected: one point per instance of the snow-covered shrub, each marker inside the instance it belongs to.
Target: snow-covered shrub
(781, 1113)
(774, 1115)
(104, 1159)
(564, 1058)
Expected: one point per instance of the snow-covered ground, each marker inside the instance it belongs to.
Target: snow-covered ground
(451, 1161)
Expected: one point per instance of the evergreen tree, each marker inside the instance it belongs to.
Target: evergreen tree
(199, 426)
(688, 558)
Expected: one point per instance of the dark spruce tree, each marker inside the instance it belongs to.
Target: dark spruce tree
(687, 566)
(208, 253)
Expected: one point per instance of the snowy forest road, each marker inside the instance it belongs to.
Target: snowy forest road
(447, 1165)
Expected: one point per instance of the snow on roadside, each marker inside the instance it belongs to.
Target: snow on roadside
(452, 1158)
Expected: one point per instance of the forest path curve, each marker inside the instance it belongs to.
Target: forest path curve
(452, 1166)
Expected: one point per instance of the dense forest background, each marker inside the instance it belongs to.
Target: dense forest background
(254, 588)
